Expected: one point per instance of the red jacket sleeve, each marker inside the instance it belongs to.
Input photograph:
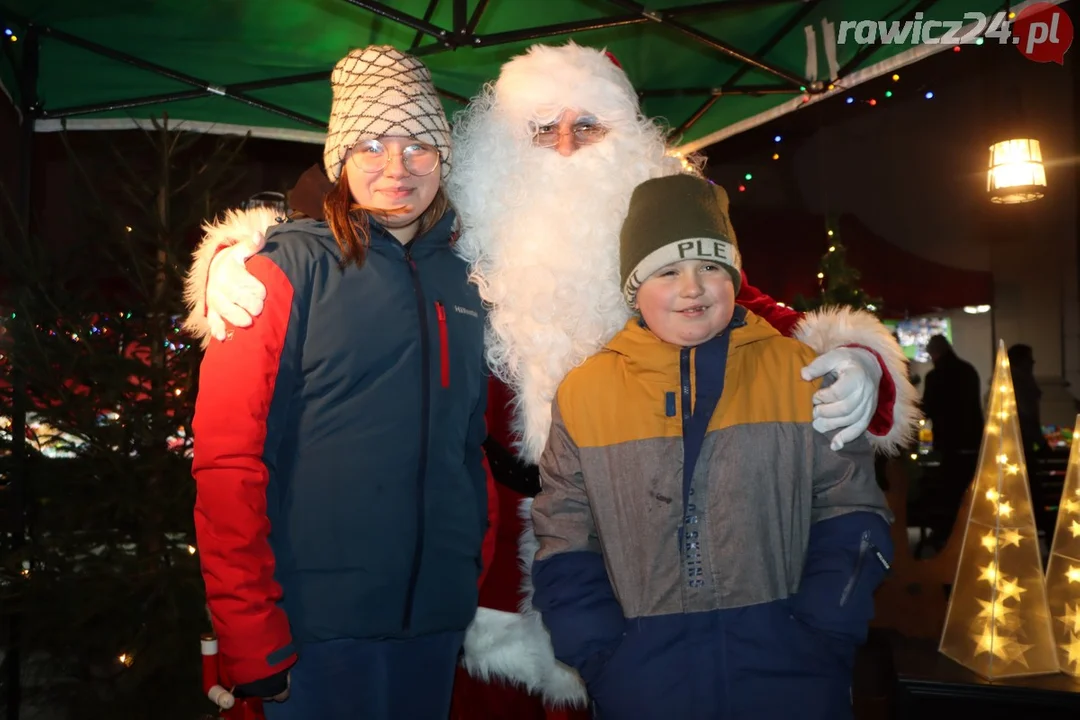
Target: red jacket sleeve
(784, 320)
(238, 379)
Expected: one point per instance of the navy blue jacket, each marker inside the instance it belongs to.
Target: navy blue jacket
(338, 449)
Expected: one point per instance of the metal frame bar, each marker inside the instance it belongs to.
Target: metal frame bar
(206, 87)
(720, 91)
(536, 33)
(705, 39)
(729, 84)
(461, 15)
(862, 55)
(697, 115)
(475, 19)
(796, 18)
(405, 19)
(432, 4)
(722, 6)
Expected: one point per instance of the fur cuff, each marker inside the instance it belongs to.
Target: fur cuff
(236, 226)
(516, 647)
(830, 328)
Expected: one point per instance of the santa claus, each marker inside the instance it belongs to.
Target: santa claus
(545, 160)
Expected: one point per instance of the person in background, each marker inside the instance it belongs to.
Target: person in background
(952, 402)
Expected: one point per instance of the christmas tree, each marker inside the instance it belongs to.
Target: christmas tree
(104, 585)
(838, 282)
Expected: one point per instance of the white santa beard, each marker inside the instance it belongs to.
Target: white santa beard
(549, 267)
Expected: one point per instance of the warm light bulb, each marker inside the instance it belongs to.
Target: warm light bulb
(832, 248)
(1002, 459)
(830, 233)
(125, 659)
(1004, 388)
(1012, 537)
(1073, 574)
(989, 573)
(1004, 509)
(989, 541)
(992, 495)
(1003, 415)
(820, 276)
(191, 549)
(1069, 505)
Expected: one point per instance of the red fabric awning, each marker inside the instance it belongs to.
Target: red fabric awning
(782, 250)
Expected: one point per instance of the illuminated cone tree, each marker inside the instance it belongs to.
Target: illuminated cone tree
(1063, 570)
(998, 621)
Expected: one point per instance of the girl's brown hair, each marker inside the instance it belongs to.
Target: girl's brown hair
(351, 223)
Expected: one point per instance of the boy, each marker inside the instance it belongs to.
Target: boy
(703, 553)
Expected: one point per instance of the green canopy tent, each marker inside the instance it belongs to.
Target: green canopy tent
(709, 69)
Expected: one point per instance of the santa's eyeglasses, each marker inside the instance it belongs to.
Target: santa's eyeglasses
(419, 159)
(586, 132)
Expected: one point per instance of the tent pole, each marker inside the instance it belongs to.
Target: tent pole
(206, 87)
(660, 18)
(475, 19)
(793, 22)
(741, 90)
(536, 33)
(861, 56)
(407, 20)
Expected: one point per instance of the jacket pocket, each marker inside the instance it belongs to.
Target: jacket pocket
(444, 344)
(867, 551)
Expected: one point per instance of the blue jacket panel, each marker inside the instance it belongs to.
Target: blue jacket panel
(377, 495)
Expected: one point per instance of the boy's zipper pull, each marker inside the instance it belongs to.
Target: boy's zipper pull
(881, 558)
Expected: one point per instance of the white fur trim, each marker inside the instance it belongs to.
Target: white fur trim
(547, 79)
(830, 328)
(516, 647)
(236, 226)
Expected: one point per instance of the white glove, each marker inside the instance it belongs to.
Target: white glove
(850, 402)
(232, 293)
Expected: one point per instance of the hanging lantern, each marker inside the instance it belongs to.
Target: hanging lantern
(1016, 173)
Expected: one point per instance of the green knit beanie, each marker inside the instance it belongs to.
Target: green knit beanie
(673, 218)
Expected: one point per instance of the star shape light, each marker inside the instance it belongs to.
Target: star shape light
(1072, 650)
(1011, 537)
(1010, 589)
(996, 611)
(1071, 618)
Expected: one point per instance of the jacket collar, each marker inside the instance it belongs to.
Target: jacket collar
(655, 359)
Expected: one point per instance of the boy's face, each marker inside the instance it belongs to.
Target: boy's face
(688, 302)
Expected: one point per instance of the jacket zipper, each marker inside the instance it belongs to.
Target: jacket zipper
(444, 344)
(865, 545)
(425, 412)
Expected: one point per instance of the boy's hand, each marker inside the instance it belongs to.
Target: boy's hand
(848, 404)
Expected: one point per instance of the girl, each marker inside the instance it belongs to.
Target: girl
(342, 497)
